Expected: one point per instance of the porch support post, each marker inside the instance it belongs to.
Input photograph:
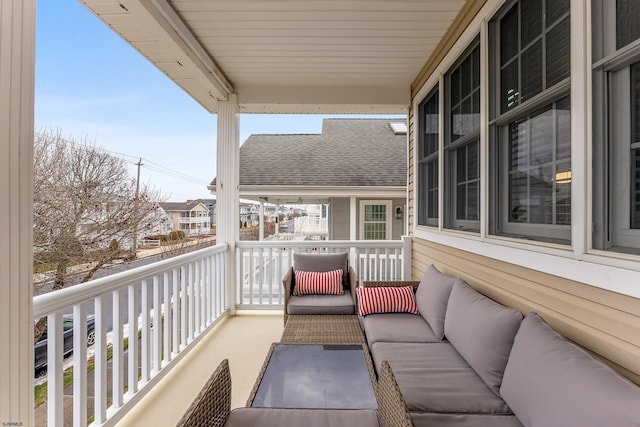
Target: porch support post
(353, 219)
(407, 257)
(277, 227)
(261, 237)
(228, 179)
(17, 62)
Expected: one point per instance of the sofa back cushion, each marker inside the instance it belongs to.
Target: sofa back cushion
(323, 263)
(549, 381)
(482, 331)
(432, 297)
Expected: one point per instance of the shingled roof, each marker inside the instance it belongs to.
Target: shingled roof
(348, 153)
(179, 206)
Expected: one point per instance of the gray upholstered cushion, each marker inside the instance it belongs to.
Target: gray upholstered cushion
(432, 297)
(433, 377)
(482, 331)
(321, 304)
(278, 417)
(551, 382)
(397, 327)
(424, 419)
(320, 262)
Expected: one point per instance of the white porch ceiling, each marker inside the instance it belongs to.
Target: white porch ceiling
(353, 56)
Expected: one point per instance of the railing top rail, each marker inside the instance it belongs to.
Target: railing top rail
(53, 301)
(346, 244)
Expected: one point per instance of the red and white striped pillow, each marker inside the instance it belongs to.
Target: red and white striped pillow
(318, 283)
(386, 299)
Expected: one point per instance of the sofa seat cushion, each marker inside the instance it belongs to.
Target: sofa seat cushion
(397, 327)
(423, 419)
(321, 304)
(278, 417)
(552, 382)
(433, 377)
(482, 331)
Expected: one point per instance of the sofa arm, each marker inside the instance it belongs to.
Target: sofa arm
(212, 405)
(395, 283)
(287, 283)
(353, 284)
(392, 409)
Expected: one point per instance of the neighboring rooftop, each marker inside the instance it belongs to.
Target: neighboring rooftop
(348, 153)
(179, 206)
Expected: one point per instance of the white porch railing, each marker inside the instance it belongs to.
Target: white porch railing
(262, 265)
(171, 303)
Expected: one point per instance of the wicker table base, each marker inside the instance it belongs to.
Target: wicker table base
(323, 329)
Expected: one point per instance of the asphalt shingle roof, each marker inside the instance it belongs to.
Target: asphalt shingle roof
(349, 152)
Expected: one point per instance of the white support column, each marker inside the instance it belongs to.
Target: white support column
(261, 238)
(406, 258)
(17, 59)
(277, 228)
(228, 179)
(353, 218)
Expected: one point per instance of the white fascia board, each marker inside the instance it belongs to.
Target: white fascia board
(308, 191)
(324, 99)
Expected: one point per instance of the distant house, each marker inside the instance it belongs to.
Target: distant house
(211, 205)
(191, 217)
(357, 167)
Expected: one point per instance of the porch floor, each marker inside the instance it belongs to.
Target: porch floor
(244, 339)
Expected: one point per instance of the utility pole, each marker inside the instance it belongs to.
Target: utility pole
(135, 228)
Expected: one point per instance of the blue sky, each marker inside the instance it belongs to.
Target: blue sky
(91, 84)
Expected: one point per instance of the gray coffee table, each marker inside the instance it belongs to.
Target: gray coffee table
(315, 377)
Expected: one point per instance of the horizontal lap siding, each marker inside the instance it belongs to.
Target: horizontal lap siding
(606, 323)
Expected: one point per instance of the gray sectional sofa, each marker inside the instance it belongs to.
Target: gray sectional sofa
(466, 360)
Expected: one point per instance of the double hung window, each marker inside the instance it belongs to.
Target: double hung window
(530, 140)
(428, 146)
(462, 142)
(616, 125)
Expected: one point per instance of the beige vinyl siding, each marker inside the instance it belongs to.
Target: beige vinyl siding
(606, 323)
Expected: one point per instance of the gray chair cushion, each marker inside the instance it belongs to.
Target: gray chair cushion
(482, 331)
(432, 297)
(552, 382)
(433, 377)
(423, 419)
(321, 304)
(279, 417)
(321, 262)
(397, 327)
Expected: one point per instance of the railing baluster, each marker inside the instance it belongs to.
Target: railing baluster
(132, 385)
(117, 366)
(167, 318)
(80, 365)
(251, 276)
(100, 362)
(55, 349)
(190, 303)
(197, 294)
(144, 324)
(183, 307)
(157, 326)
(176, 310)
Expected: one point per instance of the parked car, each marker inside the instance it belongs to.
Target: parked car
(40, 348)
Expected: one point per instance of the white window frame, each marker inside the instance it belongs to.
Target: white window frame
(388, 213)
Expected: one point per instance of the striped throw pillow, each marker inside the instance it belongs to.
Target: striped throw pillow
(387, 299)
(318, 283)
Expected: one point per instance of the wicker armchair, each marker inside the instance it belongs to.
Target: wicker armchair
(392, 409)
(319, 262)
(212, 405)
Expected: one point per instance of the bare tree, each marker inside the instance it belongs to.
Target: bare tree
(85, 209)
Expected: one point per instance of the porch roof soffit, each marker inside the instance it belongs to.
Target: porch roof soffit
(349, 56)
